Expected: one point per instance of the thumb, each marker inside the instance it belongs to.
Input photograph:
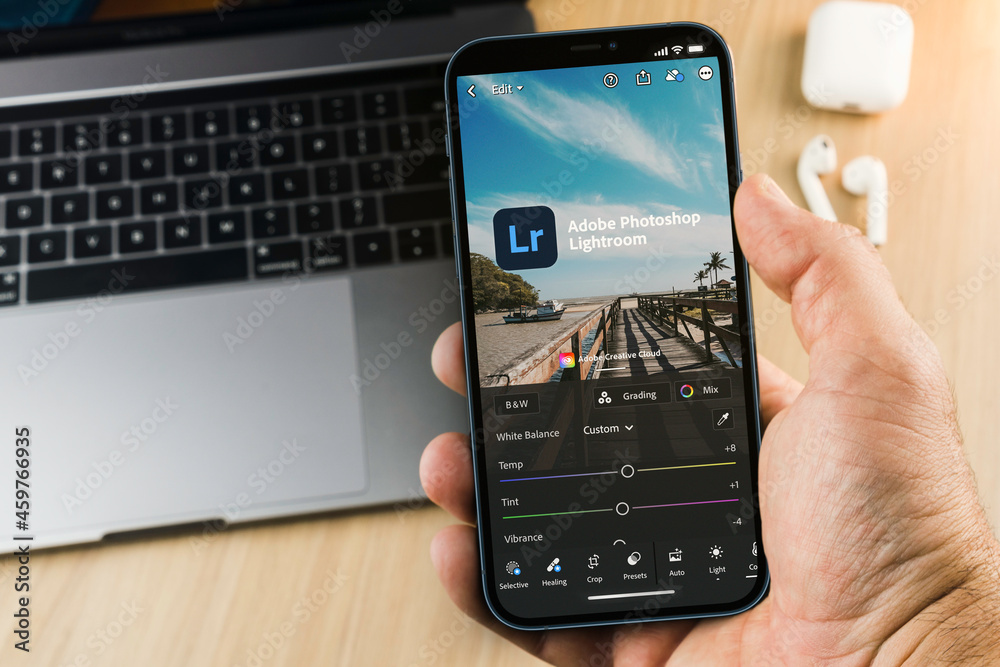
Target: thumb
(840, 291)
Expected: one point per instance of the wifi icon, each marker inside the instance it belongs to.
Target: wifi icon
(665, 51)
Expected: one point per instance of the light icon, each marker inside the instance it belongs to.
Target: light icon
(513, 568)
(715, 552)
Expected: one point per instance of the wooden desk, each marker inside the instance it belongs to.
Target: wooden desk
(215, 606)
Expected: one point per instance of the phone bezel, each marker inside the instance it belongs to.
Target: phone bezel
(497, 55)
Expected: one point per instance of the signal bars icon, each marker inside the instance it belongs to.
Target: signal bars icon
(665, 51)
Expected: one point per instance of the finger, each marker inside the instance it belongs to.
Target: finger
(835, 280)
(446, 474)
(448, 358)
(778, 389)
(456, 559)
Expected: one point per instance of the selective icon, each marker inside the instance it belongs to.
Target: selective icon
(513, 568)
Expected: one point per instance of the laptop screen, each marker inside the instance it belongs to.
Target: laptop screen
(52, 26)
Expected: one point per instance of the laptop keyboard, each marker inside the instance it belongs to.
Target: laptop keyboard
(230, 183)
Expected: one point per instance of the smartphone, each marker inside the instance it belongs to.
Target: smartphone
(607, 319)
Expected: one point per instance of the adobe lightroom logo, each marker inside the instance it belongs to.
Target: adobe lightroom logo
(525, 238)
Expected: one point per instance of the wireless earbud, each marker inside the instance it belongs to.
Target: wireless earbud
(818, 157)
(866, 175)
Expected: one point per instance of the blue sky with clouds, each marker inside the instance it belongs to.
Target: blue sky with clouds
(628, 150)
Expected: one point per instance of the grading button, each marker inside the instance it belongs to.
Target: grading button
(692, 390)
(516, 404)
(642, 394)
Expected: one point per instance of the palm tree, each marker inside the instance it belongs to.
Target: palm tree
(700, 277)
(715, 264)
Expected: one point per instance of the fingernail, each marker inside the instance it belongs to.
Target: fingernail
(775, 191)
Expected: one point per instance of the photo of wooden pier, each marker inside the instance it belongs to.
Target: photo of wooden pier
(623, 336)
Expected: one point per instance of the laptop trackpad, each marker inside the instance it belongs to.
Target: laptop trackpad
(174, 406)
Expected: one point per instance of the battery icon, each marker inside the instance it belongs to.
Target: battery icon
(696, 48)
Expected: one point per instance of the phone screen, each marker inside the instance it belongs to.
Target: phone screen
(610, 359)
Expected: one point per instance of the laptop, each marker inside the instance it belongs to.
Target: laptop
(225, 254)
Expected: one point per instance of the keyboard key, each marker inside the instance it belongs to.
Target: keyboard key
(447, 239)
(168, 127)
(91, 242)
(290, 184)
(210, 124)
(5, 143)
(281, 150)
(36, 141)
(252, 119)
(376, 174)
(46, 247)
(233, 157)
(273, 259)
(246, 189)
(159, 198)
(115, 203)
(181, 232)
(319, 146)
(227, 227)
(29, 212)
(403, 136)
(295, 113)
(416, 243)
(433, 169)
(103, 169)
(333, 180)
(339, 109)
(147, 164)
(137, 237)
(380, 105)
(374, 248)
(73, 207)
(357, 212)
(58, 174)
(202, 194)
(414, 206)
(424, 100)
(190, 160)
(326, 253)
(362, 141)
(125, 132)
(81, 137)
(317, 217)
(10, 288)
(136, 275)
(270, 222)
(10, 251)
(16, 178)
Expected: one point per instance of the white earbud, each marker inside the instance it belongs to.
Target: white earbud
(866, 175)
(818, 157)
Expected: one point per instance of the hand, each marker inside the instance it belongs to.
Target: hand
(878, 549)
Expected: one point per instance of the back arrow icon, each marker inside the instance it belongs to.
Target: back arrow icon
(471, 89)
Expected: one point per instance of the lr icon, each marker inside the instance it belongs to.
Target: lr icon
(525, 238)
